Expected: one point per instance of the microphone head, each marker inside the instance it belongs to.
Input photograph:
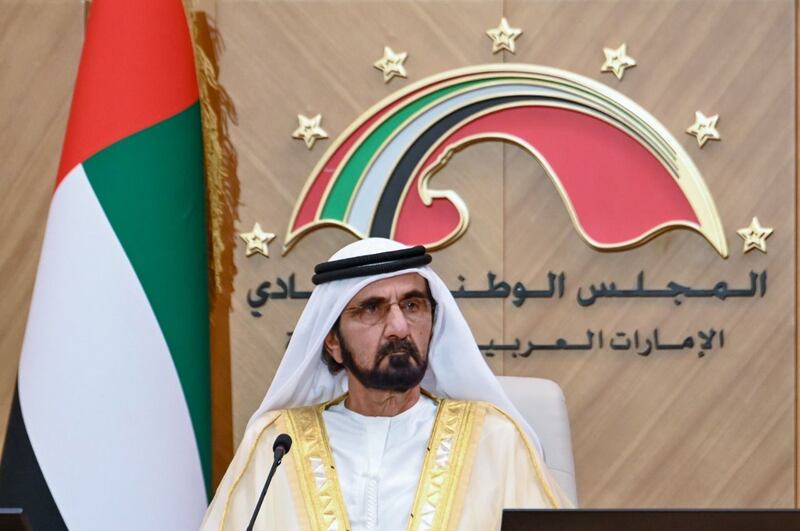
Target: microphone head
(282, 441)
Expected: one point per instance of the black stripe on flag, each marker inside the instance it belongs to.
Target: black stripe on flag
(21, 481)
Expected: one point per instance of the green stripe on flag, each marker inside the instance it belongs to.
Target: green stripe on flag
(151, 187)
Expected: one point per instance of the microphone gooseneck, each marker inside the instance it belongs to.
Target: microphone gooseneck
(282, 445)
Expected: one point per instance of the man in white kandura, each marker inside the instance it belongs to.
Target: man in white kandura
(397, 421)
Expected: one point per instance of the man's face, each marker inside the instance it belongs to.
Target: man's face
(384, 333)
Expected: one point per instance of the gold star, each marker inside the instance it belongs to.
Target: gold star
(755, 236)
(391, 64)
(617, 61)
(503, 36)
(309, 130)
(257, 241)
(704, 128)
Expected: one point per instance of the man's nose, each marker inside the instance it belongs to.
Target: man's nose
(396, 323)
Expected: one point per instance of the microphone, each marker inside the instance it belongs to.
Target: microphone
(280, 448)
(283, 443)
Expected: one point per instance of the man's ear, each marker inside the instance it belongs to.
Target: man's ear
(333, 345)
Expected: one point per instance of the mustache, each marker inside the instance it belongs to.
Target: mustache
(398, 345)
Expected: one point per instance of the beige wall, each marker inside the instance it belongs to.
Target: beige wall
(667, 430)
(40, 45)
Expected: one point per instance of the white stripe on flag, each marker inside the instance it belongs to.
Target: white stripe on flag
(100, 395)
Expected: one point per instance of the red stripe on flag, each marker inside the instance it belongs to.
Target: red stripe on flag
(137, 69)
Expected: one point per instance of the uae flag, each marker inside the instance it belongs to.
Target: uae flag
(110, 425)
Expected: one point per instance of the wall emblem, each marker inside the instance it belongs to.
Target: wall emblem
(621, 175)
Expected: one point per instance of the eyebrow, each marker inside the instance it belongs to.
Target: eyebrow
(414, 293)
(379, 300)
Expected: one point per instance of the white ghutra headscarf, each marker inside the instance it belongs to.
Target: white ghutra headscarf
(456, 368)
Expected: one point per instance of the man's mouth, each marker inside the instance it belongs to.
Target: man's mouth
(396, 354)
(397, 350)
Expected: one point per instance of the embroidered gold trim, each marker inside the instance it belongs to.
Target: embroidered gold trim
(316, 470)
(462, 482)
(244, 469)
(441, 471)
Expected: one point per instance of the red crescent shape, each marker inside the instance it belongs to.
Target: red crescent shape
(619, 190)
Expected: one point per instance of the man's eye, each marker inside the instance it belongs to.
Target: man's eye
(369, 308)
(411, 305)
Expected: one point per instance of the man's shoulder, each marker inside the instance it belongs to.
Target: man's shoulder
(486, 408)
(268, 425)
(274, 414)
(272, 417)
(493, 417)
(263, 422)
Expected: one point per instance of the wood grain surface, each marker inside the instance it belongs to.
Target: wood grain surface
(40, 44)
(672, 429)
(664, 430)
(274, 69)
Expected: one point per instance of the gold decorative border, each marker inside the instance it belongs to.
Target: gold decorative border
(465, 476)
(439, 481)
(324, 501)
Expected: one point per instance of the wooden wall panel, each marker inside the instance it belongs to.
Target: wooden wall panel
(40, 43)
(286, 58)
(660, 430)
(672, 429)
